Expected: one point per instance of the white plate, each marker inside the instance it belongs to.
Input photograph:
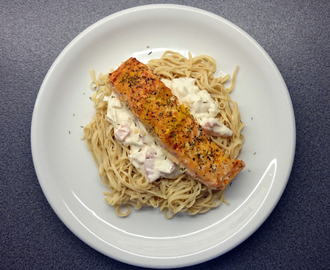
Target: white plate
(68, 175)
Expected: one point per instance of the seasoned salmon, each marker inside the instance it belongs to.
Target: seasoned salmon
(172, 125)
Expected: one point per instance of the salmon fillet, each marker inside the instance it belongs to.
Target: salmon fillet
(172, 125)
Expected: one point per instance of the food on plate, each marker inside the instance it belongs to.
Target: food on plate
(172, 126)
(166, 135)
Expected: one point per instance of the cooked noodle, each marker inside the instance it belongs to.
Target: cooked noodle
(127, 186)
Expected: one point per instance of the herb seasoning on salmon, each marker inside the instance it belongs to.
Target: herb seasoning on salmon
(172, 125)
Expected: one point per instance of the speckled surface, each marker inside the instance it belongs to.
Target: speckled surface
(296, 36)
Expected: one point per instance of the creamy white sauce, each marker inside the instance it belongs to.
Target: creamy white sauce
(145, 154)
(200, 103)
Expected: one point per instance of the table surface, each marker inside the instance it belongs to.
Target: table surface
(296, 36)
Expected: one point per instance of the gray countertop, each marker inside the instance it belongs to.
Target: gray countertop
(296, 36)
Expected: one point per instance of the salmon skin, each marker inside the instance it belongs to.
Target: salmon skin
(172, 125)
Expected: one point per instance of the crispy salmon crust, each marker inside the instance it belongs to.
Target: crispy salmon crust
(172, 125)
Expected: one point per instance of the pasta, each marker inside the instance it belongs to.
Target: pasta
(127, 186)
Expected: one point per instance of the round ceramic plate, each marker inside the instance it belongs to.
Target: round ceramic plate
(67, 172)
